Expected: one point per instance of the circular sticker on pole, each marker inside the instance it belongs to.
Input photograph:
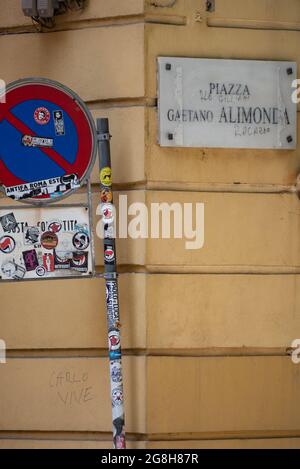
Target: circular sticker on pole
(105, 176)
(48, 141)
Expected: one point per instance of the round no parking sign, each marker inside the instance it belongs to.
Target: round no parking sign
(48, 141)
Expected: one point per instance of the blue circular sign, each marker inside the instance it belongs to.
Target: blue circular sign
(48, 141)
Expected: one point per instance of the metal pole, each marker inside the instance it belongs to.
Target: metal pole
(111, 278)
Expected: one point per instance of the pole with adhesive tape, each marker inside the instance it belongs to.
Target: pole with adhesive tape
(112, 298)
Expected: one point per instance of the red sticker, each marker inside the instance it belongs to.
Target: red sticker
(48, 262)
(55, 226)
(42, 116)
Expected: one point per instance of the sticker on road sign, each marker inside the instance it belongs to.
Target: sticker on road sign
(29, 141)
(59, 123)
(50, 187)
(42, 116)
(46, 133)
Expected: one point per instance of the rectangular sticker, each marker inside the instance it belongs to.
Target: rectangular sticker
(45, 243)
(46, 187)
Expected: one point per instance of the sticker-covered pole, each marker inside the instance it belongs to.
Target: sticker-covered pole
(111, 278)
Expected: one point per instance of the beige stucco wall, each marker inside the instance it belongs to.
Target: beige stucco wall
(206, 334)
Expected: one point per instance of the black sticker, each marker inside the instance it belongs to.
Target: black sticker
(81, 241)
(61, 261)
(59, 123)
(31, 235)
(8, 222)
(30, 260)
(79, 261)
(109, 254)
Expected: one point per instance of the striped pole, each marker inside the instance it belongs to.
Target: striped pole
(111, 278)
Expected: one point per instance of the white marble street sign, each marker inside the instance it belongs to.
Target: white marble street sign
(226, 103)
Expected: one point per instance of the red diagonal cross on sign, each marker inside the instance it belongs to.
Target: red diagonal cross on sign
(56, 157)
(73, 134)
